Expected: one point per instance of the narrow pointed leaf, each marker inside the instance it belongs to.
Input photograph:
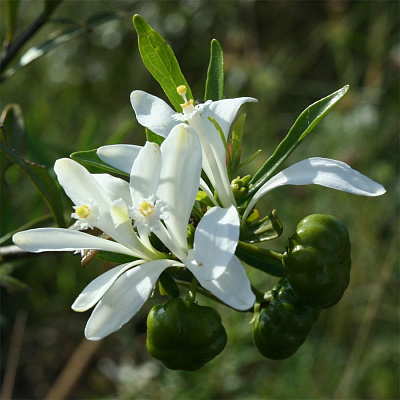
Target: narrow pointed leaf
(215, 74)
(262, 259)
(11, 10)
(304, 124)
(40, 177)
(160, 60)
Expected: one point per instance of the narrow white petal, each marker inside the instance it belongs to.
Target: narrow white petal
(224, 112)
(145, 173)
(115, 188)
(153, 113)
(232, 287)
(124, 298)
(204, 187)
(59, 239)
(324, 172)
(215, 241)
(119, 156)
(179, 180)
(96, 289)
(79, 184)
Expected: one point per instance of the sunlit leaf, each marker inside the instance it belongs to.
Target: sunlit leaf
(215, 74)
(153, 137)
(160, 60)
(304, 124)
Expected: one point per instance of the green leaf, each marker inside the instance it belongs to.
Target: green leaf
(267, 228)
(116, 258)
(12, 10)
(215, 74)
(90, 157)
(153, 137)
(262, 259)
(203, 198)
(59, 37)
(304, 124)
(50, 6)
(160, 60)
(11, 284)
(40, 177)
(168, 285)
(236, 149)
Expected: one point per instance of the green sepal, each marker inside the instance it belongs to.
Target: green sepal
(90, 157)
(265, 260)
(161, 62)
(268, 228)
(215, 74)
(168, 285)
(304, 124)
(115, 258)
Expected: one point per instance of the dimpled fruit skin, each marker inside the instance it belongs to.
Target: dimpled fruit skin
(184, 335)
(317, 262)
(283, 324)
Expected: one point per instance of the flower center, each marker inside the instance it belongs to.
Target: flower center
(146, 208)
(82, 211)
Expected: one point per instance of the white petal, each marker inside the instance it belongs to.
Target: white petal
(224, 112)
(96, 289)
(321, 171)
(215, 241)
(59, 239)
(115, 188)
(124, 299)
(145, 173)
(232, 287)
(179, 179)
(79, 184)
(204, 187)
(119, 156)
(153, 113)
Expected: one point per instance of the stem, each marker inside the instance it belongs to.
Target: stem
(191, 295)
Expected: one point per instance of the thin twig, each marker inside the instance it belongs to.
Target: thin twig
(13, 252)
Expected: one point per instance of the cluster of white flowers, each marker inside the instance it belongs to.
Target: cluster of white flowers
(158, 199)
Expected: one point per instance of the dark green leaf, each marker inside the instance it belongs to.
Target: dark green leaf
(11, 284)
(262, 259)
(215, 74)
(168, 285)
(160, 60)
(90, 157)
(267, 228)
(304, 124)
(59, 37)
(116, 258)
(12, 10)
(153, 137)
(42, 180)
(236, 149)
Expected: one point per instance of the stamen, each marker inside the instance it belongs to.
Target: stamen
(82, 211)
(182, 90)
(146, 208)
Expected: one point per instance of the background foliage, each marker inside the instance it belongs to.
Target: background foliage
(285, 54)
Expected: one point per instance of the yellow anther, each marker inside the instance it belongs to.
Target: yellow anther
(82, 211)
(146, 208)
(181, 90)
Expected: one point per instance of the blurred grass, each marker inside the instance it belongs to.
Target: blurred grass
(287, 55)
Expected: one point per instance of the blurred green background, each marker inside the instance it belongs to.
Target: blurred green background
(287, 54)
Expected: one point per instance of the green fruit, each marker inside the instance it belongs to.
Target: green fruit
(283, 324)
(184, 335)
(317, 262)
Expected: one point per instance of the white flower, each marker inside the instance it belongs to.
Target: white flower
(159, 198)
(320, 171)
(159, 117)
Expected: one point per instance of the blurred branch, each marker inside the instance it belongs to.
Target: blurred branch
(11, 49)
(12, 252)
(13, 355)
(73, 370)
